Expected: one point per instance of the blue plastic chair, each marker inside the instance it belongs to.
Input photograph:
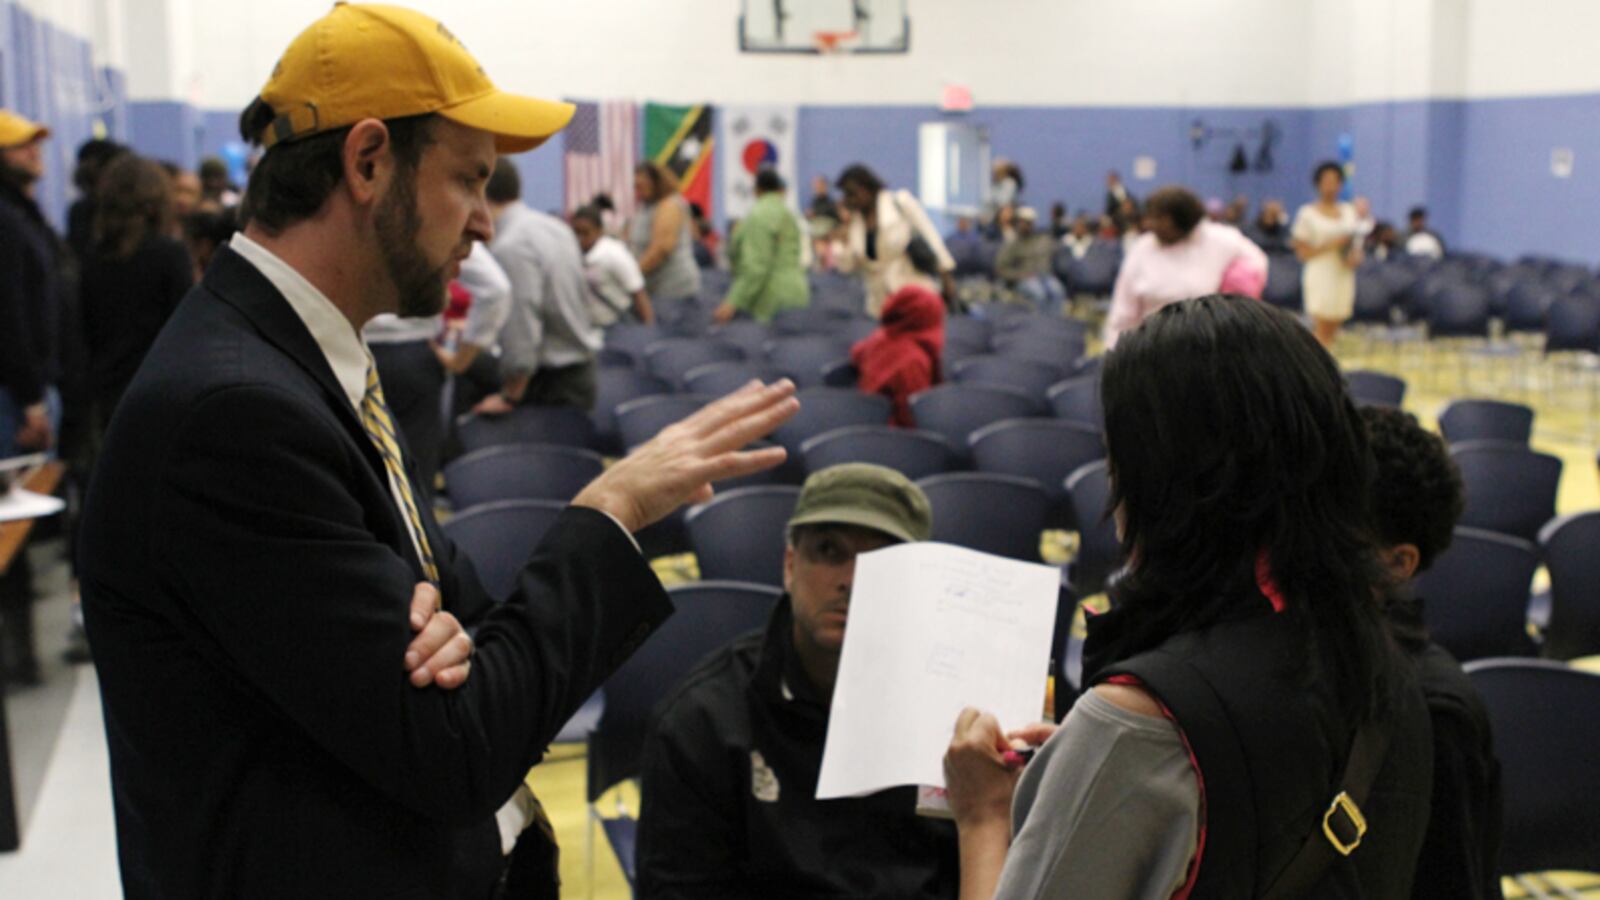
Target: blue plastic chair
(1096, 273)
(740, 534)
(748, 335)
(615, 358)
(824, 409)
(673, 358)
(721, 379)
(1486, 420)
(1458, 309)
(807, 320)
(566, 426)
(804, 357)
(1283, 282)
(1475, 595)
(1376, 388)
(840, 374)
(640, 420)
(1057, 347)
(1078, 400)
(1547, 738)
(499, 537)
(614, 387)
(633, 337)
(1571, 549)
(1572, 324)
(914, 454)
(955, 411)
(1043, 450)
(520, 472)
(1374, 298)
(709, 615)
(1029, 376)
(999, 514)
(1099, 551)
(969, 333)
(1510, 489)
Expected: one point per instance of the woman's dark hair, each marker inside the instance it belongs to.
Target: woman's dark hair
(1330, 166)
(862, 177)
(1230, 440)
(663, 182)
(505, 182)
(1418, 494)
(132, 201)
(93, 155)
(768, 180)
(590, 214)
(1178, 204)
(602, 201)
(212, 226)
(293, 179)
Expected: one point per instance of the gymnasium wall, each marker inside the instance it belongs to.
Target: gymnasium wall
(1457, 104)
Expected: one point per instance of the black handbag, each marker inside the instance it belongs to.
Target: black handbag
(918, 250)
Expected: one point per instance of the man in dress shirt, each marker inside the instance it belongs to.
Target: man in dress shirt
(548, 344)
(292, 705)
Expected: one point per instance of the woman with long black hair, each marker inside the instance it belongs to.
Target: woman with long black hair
(1247, 711)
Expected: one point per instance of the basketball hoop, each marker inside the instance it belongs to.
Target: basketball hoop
(829, 43)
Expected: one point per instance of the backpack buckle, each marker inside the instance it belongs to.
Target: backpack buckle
(1351, 822)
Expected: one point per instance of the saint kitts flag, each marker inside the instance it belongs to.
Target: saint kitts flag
(682, 139)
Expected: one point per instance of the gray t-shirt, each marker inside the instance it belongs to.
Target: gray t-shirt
(1108, 808)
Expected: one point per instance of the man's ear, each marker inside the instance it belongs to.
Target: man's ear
(1402, 561)
(367, 160)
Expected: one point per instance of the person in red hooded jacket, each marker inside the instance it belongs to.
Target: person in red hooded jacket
(903, 356)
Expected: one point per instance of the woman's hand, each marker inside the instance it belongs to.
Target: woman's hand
(978, 782)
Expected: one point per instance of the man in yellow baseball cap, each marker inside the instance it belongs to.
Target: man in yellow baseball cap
(293, 706)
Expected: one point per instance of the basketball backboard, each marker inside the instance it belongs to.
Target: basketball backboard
(824, 26)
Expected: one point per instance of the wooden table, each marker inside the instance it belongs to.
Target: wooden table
(13, 538)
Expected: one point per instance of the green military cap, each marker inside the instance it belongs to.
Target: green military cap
(869, 496)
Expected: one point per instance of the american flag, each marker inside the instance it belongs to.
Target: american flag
(601, 147)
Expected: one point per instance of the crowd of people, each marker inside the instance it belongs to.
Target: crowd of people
(259, 545)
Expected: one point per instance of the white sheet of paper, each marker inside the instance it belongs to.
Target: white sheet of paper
(933, 628)
(20, 504)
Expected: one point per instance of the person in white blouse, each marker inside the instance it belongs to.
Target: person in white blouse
(1325, 237)
(875, 241)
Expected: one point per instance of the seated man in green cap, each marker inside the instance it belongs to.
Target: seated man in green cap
(729, 774)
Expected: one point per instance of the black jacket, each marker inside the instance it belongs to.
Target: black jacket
(1461, 851)
(124, 304)
(246, 583)
(728, 793)
(30, 298)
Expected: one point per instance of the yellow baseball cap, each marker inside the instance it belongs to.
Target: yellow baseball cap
(16, 131)
(368, 61)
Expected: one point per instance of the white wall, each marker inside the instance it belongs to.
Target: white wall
(1012, 52)
(1522, 48)
(98, 21)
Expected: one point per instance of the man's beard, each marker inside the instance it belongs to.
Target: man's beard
(421, 289)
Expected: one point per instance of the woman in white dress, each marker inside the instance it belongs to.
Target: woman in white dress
(1324, 238)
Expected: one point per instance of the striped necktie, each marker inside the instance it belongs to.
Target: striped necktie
(380, 427)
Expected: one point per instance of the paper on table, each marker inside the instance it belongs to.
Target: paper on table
(21, 504)
(933, 628)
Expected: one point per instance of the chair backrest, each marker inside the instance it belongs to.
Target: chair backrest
(1475, 596)
(739, 534)
(1057, 347)
(1376, 388)
(1510, 488)
(1078, 400)
(520, 472)
(1460, 309)
(824, 409)
(1096, 272)
(723, 378)
(1043, 450)
(673, 358)
(840, 374)
(968, 332)
(639, 420)
(1547, 738)
(803, 357)
(615, 358)
(1374, 298)
(1486, 420)
(806, 320)
(1569, 546)
(1283, 282)
(1527, 306)
(955, 411)
(499, 537)
(999, 514)
(1029, 376)
(1099, 551)
(567, 426)
(633, 337)
(708, 616)
(614, 387)
(1572, 324)
(747, 335)
(914, 454)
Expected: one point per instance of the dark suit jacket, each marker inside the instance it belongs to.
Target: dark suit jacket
(246, 581)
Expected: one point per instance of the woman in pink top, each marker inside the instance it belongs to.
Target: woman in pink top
(1181, 256)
